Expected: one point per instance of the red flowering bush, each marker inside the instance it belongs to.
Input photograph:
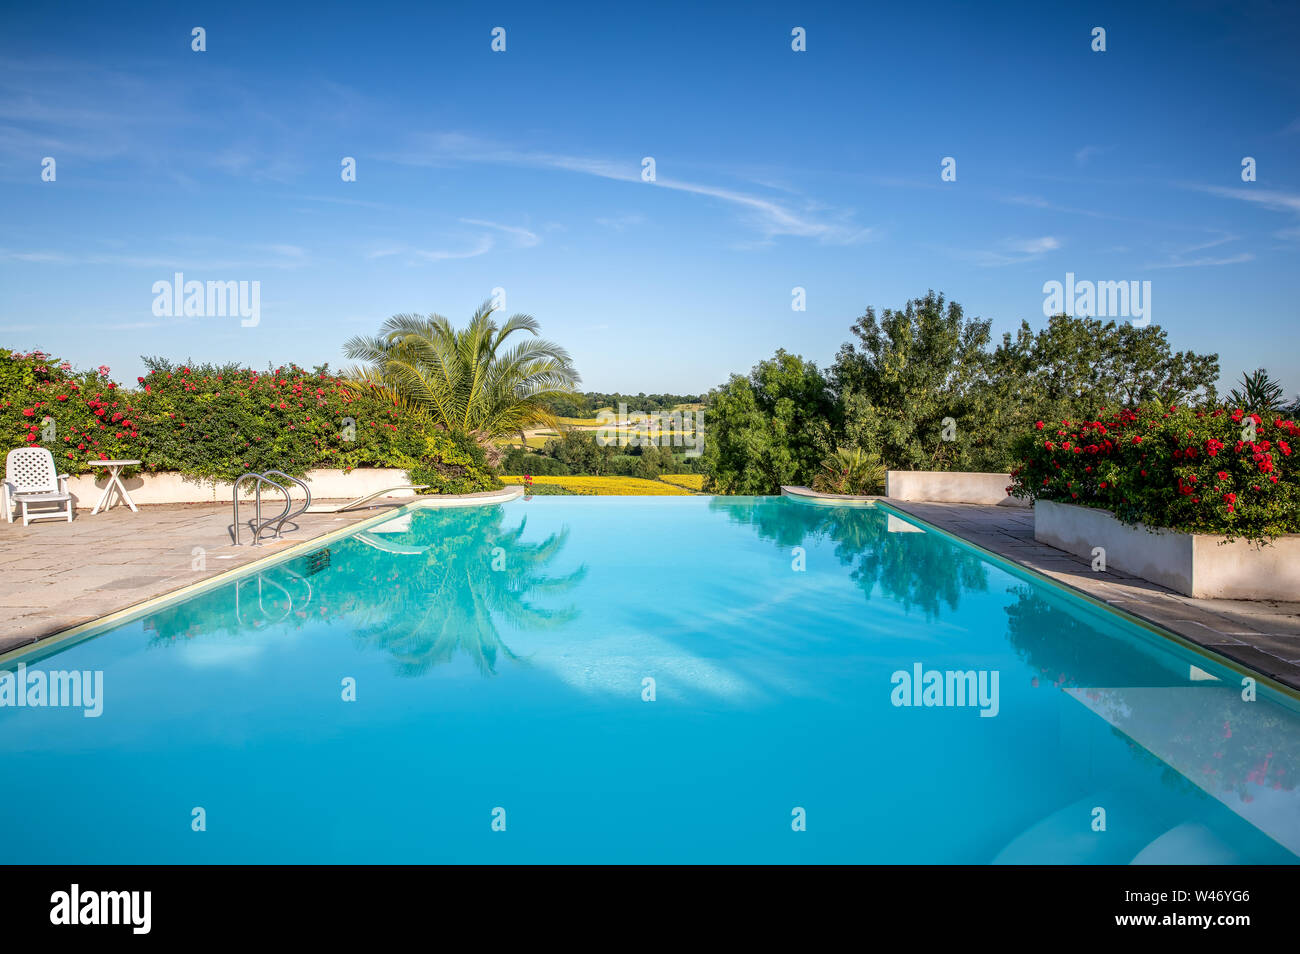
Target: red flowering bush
(1215, 470)
(216, 423)
(79, 417)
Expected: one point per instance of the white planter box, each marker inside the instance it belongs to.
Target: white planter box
(1194, 564)
(951, 487)
(172, 488)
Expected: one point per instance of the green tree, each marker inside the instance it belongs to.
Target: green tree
(1074, 369)
(467, 381)
(909, 371)
(771, 428)
(580, 452)
(1087, 364)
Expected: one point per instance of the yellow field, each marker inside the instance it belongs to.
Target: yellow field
(607, 486)
(577, 421)
(536, 442)
(689, 481)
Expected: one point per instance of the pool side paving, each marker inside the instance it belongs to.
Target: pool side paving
(55, 575)
(1263, 635)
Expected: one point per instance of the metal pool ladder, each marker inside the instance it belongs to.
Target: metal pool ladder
(288, 513)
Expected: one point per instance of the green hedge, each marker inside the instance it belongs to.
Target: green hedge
(217, 422)
(1215, 470)
(520, 461)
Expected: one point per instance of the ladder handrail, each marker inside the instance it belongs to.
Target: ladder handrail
(259, 524)
(301, 510)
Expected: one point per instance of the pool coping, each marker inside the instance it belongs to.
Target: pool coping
(58, 641)
(1211, 652)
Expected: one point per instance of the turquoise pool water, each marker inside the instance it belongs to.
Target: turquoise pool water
(500, 657)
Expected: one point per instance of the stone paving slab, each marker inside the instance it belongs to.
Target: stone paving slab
(1263, 635)
(55, 575)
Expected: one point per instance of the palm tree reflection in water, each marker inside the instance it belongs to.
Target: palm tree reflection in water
(421, 608)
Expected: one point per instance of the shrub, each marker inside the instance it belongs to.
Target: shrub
(850, 470)
(1215, 471)
(217, 422)
(520, 461)
(554, 490)
(453, 464)
(79, 417)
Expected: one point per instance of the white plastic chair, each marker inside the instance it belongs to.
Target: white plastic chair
(30, 478)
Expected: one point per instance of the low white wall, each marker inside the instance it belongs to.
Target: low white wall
(1198, 565)
(951, 487)
(171, 488)
(808, 495)
(1161, 556)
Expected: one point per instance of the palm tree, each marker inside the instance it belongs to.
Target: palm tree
(850, 470)
(465, 381)
(1258, 393)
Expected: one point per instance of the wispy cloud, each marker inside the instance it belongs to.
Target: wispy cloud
(620, 223)
(1187, 257)
(474, 245)
(523, 237)
(1205, 261)
(770, 217)
(481, 246)
(1082, 156)
(1012, 251)
(1035, 246)
(277, 256)
(1272, 199)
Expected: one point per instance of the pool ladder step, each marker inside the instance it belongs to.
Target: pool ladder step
(288, 513)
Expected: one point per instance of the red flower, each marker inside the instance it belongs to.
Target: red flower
(1038, 424)
(1222, 475)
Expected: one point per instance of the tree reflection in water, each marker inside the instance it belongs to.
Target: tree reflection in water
(921, 571)
(421, 608)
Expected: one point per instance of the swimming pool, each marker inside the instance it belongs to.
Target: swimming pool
(592, 679)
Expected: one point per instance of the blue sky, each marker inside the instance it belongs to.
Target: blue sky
(522, 170)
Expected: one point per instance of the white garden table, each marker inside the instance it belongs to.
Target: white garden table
(115, 468)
